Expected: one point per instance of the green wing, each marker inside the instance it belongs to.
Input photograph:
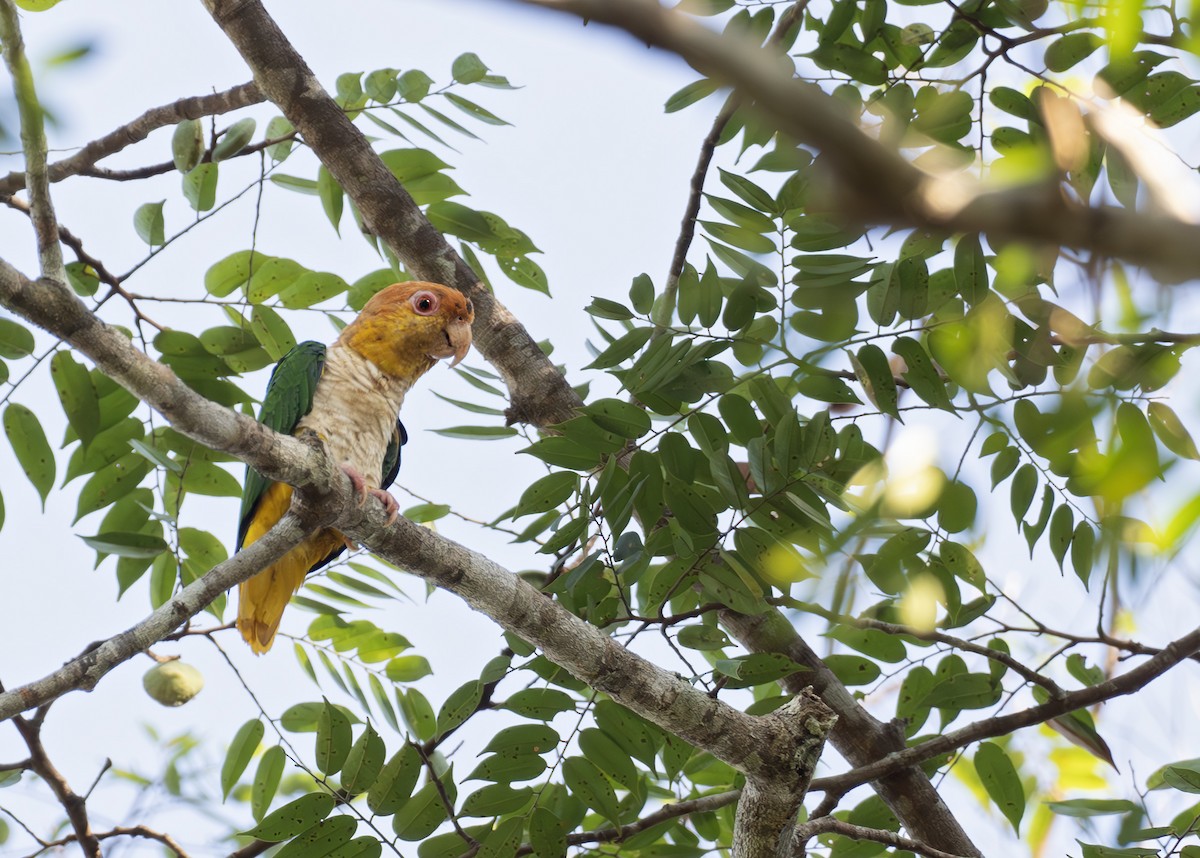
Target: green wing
(391, 459)
(289, 397)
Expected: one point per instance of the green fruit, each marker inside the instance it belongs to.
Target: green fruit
(173, 683)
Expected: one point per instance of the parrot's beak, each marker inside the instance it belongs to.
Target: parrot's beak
(458, 333)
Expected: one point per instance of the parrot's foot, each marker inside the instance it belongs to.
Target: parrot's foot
(389, 504)
(361, 489)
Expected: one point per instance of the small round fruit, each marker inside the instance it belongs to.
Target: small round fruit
(173, 683)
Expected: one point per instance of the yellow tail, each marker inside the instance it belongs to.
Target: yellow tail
(262, 599)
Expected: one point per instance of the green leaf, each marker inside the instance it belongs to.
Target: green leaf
(418, 713)
(333, 739)
(138, 545)
(468, 68)
(231, 273)
(235, 139)
(241, 751)
(921, 374)
(413, 85)
(332, 197)
(587, 783)
(32, 450)
(1083, 542)
(875, 374)
(278, 127)
(322, 839)
(187, 144)
(200, 187)
(540, 703)
(266, 781)
(690, 94)
(477, 433)
(421, 815)
(77, 395)
(524, 739)
(970, 269)
(364, 762)
(272, 332)
(616, 415)
(1084, 808)
(395, 782)
(16, 340)
(148, 223)
(547, 493)
(459, 706)
(609, 757)
(1171, 431)
(408, 668)
(1003, 784)
(496, 800)
(1068, 51)
(858, 64)
(1024, 487)
(473, 109)
(294, 817)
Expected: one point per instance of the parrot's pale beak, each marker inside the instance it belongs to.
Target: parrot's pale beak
(458, 333)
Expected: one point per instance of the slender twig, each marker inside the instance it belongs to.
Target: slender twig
(72, 803)
(234, 98)
(125, 831)
(829, 825)
(703, 804)
(33, 141)
(1127, 683)
(687, 229)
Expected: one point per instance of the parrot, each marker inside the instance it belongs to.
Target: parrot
(349, 395)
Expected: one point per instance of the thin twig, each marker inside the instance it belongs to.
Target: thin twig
(829, 825)
(33, 141)
(234, 98)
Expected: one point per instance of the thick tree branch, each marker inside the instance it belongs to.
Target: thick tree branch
(858, 736)
(139, 129)
(538, 393)
(880, 185)
(775, 751)
(759, 747)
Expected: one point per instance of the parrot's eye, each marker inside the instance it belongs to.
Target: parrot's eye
(425, 303)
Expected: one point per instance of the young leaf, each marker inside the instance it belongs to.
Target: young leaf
(333, 739)
(149, 225)
(32, 450)
(241, 750)
(1002, 782)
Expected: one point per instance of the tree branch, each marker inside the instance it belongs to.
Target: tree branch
(33, 142)
(538, 393)
(858, 736)
(139, 129)
(72, 803)
(1136, 679)
(772, 751)
(829, 825)
(84, 671)
(880, 184)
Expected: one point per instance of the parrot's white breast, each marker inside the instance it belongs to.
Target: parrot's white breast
(354, 411)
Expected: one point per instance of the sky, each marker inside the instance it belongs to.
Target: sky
(591, 168)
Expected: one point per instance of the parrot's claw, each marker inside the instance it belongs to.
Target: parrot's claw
(389, 504)
(358, 482)
(363, 491)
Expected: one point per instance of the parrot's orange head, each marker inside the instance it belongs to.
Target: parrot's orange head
(407, 327)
